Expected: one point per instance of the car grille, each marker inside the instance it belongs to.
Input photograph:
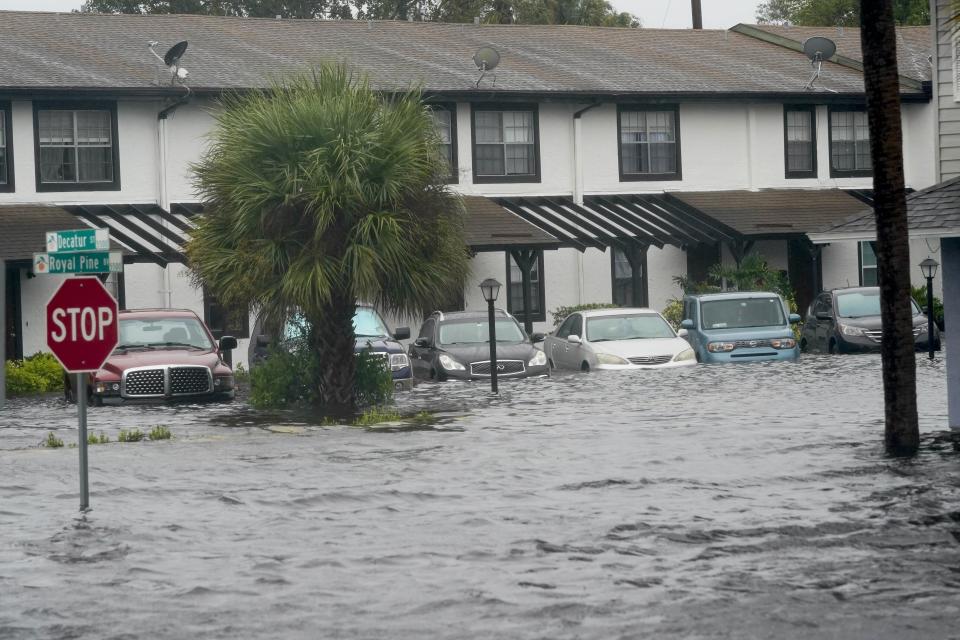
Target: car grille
(189, 380)
(750, 344)
(877, 335)
(144, 382)
(504, 368)
(648, 360)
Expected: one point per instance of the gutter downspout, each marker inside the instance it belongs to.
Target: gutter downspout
(578, 185)
(164, 197)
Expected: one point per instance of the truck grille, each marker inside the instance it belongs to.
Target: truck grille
(189, 380)
(648, 360)
(504, 368)
(144, 383)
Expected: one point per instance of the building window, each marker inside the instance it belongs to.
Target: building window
(849, 144)
(6, 148)
(649, 141)
(515, 289)
(868, 265)
(445, 120)
(800, 142)
(76, 147)
(224, 322)
(505, 146)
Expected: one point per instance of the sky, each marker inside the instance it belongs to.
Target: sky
(717, 14)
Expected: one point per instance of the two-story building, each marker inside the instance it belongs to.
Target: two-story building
(597, 164)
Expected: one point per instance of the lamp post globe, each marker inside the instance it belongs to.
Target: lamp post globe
(491, 289)
(929, 269)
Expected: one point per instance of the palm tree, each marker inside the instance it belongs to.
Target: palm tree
(320, 192)
(882, 85)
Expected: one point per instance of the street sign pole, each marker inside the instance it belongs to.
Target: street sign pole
(81, 387)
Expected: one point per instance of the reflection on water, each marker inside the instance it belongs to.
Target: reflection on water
(722, 501)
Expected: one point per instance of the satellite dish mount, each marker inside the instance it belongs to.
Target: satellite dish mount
(818, 49)
(486, 59)
(171, 60)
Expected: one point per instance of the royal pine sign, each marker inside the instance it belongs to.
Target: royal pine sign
(78, 262)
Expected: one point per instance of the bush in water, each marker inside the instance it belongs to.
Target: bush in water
(52, 441)
(134, 435)
(39, 373)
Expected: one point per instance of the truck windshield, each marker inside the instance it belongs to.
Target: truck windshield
(741, 313)
(474, 332)
(627, 327)
(162, 332)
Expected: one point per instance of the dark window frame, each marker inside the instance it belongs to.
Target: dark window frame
(505, 106)
(860, 265)
(451, 107)
(843, 173)
(46, 105)
(7, 123)
(645, 285)
(209, 301)
(647, 177)
(812, 110)
(537, 289)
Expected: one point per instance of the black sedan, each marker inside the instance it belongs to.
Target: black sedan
(456, 345)
(848, 321)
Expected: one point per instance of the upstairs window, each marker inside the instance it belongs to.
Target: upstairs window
(6, 150)
(649, 141)
(445, 121)
(505, 146)
(76, 148)
(849, 144)
(800, 142)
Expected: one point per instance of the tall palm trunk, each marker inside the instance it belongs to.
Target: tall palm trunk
(878, 39)
(333, 340)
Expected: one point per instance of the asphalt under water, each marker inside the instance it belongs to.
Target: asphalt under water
(749, 501)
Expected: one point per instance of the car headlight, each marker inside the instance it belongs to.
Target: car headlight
(686, 354)
(848, 330)
(399, 361)
(609, 358)
(538, 360)
(720, 347)
(783, 343)
(450, 364)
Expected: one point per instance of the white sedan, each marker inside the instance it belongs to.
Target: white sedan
(616, 339)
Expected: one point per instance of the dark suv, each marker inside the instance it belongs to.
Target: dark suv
(848, 321)
(457, 345)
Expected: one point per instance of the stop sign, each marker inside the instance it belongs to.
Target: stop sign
(82, 324)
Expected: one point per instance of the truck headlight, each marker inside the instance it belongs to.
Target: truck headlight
(450, 364)
(848, 330)
(783, 343)
(399, 361)
(222, 383)
(720, 347)
(538, 360)
(683, 356)
(609, 358)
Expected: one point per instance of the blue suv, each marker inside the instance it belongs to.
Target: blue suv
(739, 327)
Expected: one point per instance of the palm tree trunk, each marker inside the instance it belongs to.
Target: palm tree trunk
(333, 341)
(878, 39)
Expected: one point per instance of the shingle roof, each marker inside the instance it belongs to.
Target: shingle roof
(22, 229)
(934, 211)
(774, 212)
(914, 44)
(91, 51)
(488, 227)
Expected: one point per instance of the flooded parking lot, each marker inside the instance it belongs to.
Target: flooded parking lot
(710, 502)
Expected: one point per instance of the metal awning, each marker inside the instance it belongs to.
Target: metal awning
(619, 220)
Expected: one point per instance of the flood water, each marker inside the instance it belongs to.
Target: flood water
(742, 501)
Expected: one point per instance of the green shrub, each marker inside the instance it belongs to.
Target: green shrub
(560, 313)
(920, 297)
(52, 441)
(240, 374)
(39, 373)
(97, 439)
(673, 312)
(376, 415)
(373, 383)
(160, 432)
(134, 435)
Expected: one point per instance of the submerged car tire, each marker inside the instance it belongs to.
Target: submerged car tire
(584, 366)
(803, 345)
(832, 347)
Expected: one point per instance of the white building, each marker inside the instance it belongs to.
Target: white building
(609, 161)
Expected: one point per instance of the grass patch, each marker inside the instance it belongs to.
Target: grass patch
(160, 432)
(97, 439)
(52, 441)
(376, 415)
(133, 435)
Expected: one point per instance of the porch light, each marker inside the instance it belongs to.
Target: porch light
(491, 289)
(929, 268)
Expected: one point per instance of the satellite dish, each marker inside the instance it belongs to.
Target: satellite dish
(486, 58)
(173, 55)
(815, 48)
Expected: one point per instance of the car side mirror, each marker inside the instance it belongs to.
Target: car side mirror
(574, 339)
(687, 323)
(228, 343)
(536, 337)
(402, 333)
(263, 340)
(683, 333)
(795, 318)
(421, 342)
(823, 315)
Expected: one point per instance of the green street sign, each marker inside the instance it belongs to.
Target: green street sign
(78, 240)
(78, 262)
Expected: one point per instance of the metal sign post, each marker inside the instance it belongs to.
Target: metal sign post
(81, 386)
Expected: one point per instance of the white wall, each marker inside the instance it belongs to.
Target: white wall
(841, 265)
(35, 292)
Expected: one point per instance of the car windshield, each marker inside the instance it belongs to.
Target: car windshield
(477, 332)
(860, 304)
(367, 323)
(741, 313)
(627, 327)
(159, 333)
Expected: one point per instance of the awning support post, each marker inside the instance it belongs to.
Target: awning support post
(525, 260)
(637, 257)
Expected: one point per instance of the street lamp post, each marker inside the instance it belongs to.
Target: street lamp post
(929, 269)
(491, 289)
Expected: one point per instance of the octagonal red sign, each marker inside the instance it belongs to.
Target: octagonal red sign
(82, 325)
